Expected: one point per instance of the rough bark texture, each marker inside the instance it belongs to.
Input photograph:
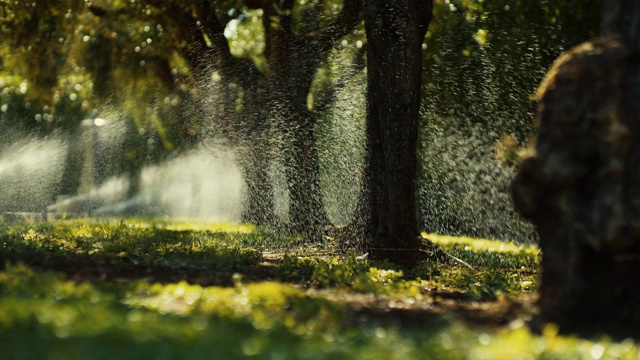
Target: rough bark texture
(395, 32)
(580, 185)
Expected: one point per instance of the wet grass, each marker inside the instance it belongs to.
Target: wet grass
(139, 289)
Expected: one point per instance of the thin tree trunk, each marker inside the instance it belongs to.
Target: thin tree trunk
(259, 206)
(306, 208)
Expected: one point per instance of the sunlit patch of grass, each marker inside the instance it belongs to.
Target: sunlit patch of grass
(490, 254)
(190, 225)
(485, 245)
(178, 320)
(461, 282)
(520, 343)
(343, 273)
(498, 269)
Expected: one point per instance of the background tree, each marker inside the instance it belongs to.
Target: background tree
(296, 44)
(185, 47)
(294, 52)
(580, 183)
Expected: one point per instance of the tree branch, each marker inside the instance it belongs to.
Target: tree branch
(196, 53)
(231, 68)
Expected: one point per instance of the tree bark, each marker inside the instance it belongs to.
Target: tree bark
(395, 33)
(306, 209)
(622, 17)
(580, 186)
(245, 129)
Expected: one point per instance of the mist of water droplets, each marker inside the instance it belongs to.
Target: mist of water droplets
(31, 172)
(463, 188)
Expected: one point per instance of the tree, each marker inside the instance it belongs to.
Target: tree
(580, 183)
(395, 33)
(182, 45)
(296, 43)
(293, 58)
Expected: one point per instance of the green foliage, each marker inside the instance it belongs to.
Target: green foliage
(22, 114)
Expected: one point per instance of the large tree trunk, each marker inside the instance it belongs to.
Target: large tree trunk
(581, 186)
(395, 32)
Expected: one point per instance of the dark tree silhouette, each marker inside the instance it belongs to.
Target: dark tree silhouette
(395, 33)
(581, 183)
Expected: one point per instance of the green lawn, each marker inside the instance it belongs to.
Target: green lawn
(136, 289)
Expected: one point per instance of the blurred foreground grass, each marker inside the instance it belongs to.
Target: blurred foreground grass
(170, 290)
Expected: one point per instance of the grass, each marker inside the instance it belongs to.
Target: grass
(177, 290)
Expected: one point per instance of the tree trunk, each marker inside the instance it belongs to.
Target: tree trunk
(581, 188)
(306, 207)
(395, 32)
(622, 17)
(296, 124)
(256, 157)
(259, 206)
(291, 72)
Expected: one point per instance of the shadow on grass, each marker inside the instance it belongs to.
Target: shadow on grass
(121, 252)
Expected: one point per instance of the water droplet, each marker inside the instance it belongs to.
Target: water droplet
(484, 339)
(597, 351)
